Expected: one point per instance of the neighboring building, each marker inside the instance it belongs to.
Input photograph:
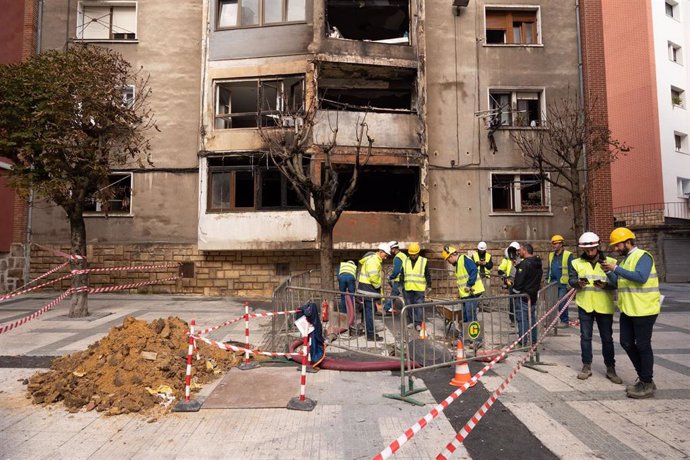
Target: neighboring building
(648, 82)
(427, 76)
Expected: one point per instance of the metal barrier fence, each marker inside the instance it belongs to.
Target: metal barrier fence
(444, 286)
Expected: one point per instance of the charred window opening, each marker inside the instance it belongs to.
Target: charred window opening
(374, 88)
(519, 193)
(385, 21)
(382, 188)
(246, 184)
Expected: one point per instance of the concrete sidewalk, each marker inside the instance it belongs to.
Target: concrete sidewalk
(573, 418)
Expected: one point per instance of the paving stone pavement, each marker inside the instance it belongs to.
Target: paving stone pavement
(573, 418)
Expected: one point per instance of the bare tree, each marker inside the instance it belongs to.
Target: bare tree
(569, 142)
(312, 173)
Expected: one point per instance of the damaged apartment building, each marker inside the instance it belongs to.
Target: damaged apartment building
(422, 75)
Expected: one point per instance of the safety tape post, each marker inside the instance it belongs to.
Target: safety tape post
(190, 352)
(303, 377)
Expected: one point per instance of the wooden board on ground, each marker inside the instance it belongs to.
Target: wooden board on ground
(264, 387)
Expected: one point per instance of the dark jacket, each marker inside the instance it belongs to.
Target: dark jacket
(528, 275)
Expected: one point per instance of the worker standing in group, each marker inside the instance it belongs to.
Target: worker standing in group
(467, 278)
(369, 284)
(346, 282)
(506, 271)
(528, 274)
(416, 279)
(557, 271)
(639, 301)
(482, 259)
(594, 301)
(394, 278)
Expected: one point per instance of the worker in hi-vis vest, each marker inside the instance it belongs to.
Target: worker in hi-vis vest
(594, 301)
(557, 271)
(469, 283)
(369, 284)
(482, 259)
(346, 282)
(416, 280)
(639, 301)
(399, 258)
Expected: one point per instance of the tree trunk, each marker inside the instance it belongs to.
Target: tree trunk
(80, 304)
(326, 257)
(578, 221)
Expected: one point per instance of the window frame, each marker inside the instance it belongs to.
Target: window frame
(680, 142)
(262, 15)
(680, 93)
(509, 10)
(112, 4)
(280, 102)
(675, 53)
(674, 9)
(516, 195)
(513, 114)
(129, 213)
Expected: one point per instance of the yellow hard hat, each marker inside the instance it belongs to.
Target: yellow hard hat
(448, 251)
(557, 239)
(620, 234)
(413, 249)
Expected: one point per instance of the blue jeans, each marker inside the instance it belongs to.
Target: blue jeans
(395, 291)
(562, 290)
(636, 340)
(525, 319)
(369, 308)
(469, 309)
(414, 314)
(605, 326)
(346, 283)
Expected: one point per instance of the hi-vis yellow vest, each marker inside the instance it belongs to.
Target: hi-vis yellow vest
(347, 268)
(635, 299)
(403, 257)
(482, 270)
(370, 273)
(591, 298)
(414, 276)
(506, 267)
(461, 277)
(564, 265)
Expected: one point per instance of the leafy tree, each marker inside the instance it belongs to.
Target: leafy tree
(311, 172)
(65, 122)
(570, 142)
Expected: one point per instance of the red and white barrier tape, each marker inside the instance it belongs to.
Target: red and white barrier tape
(246, 332)
(122, 269)
(228, 347)
(121, 287)
(303, 378)
(25, 291)
(240, 318)
(37, 313)
(188, 374)
(474, 420)
(49, 272)
(424, 421)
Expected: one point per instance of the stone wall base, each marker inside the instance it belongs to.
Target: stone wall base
(12, 268)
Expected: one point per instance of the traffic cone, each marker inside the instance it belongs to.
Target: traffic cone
(462, 370)
(325, 312)
(422, 332)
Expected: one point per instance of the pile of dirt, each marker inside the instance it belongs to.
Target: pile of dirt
(137, 367)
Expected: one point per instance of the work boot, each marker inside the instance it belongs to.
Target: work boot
(642, 390)
(629, 388)
(586, 372)
(612, 376)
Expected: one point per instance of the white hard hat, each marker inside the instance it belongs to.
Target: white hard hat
(588, 240)
(393, 244)
(385, 247)
(482, 246)
(514, 244)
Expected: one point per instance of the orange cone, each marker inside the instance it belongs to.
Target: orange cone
(462, 370)
(422, 332)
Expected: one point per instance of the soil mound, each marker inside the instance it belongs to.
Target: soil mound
(137, 367)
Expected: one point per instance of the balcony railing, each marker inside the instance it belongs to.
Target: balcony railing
(653, 213)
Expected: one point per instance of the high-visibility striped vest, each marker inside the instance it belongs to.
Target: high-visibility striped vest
(564, 265)
(371, 272)
(347, 268)
(403, 257)
(591, 298)
(506, 266)
(635, 299)
(414, 276)
(477, 258)
(461, 278)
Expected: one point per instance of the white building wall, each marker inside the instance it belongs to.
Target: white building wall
(672, 119)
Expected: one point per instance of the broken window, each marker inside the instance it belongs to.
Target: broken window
(128, 96)
(385, 21)
(516, 108)
(360, 88)
(107, 21)
(518, 193)
(246, 103)
(382, 188)
(511, 27)
(119, 192)
(247, 13)
(245, 183)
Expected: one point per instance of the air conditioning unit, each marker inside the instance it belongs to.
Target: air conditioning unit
(290, 122)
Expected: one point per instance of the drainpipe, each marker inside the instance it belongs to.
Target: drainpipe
(581, 99)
